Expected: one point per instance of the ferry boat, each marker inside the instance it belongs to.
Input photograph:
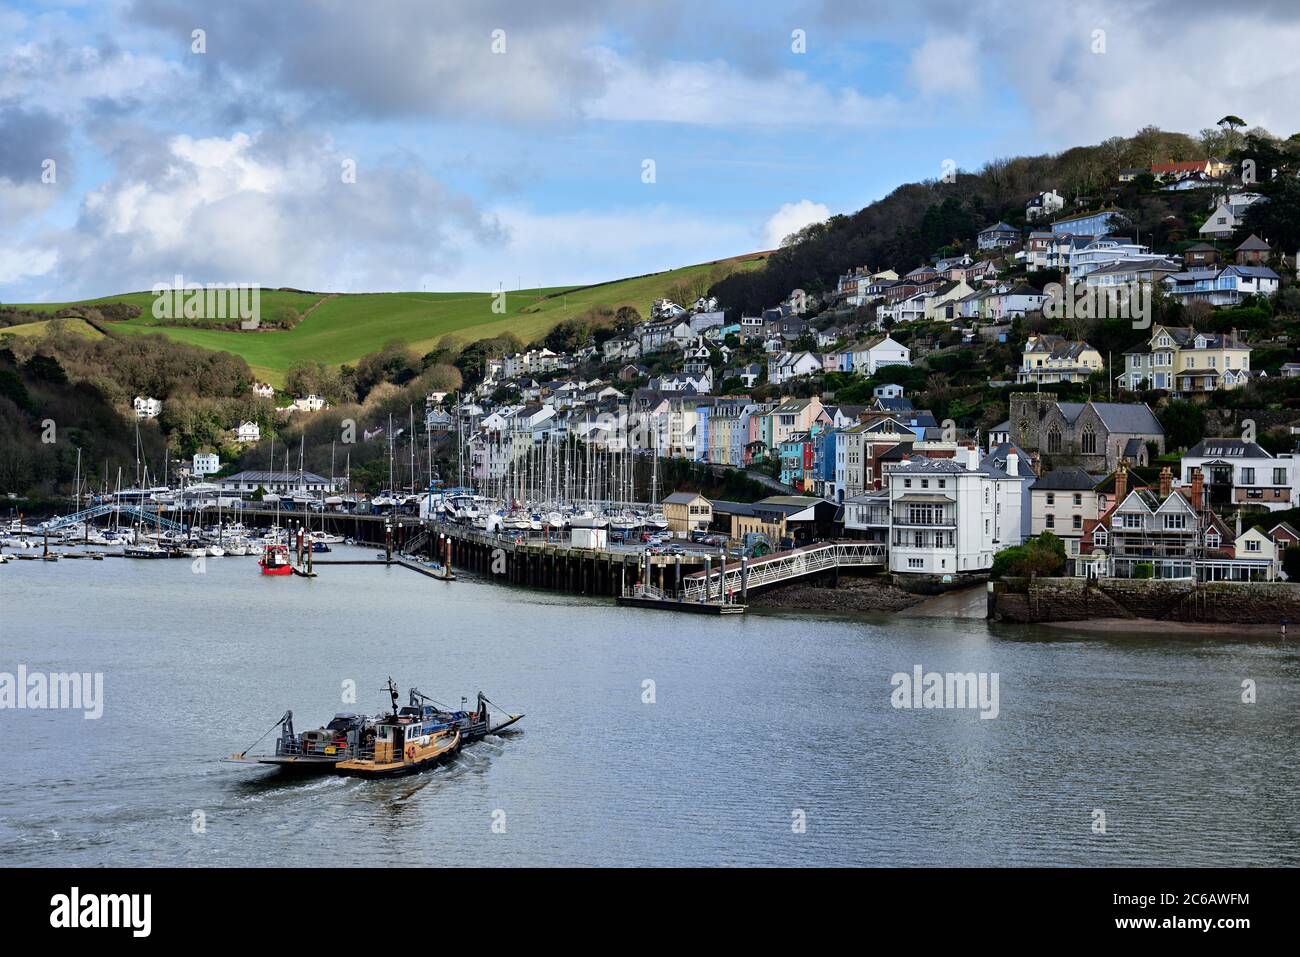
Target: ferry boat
(402, 743)
(275, 560)
(350, 736)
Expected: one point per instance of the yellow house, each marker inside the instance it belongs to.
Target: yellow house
(687, 511)
(1182, 360)
(1051, 358)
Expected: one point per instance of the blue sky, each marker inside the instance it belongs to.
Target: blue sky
(478, 166)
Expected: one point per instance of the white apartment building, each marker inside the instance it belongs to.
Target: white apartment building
(206, 463)
(949, 516)
(146, 407)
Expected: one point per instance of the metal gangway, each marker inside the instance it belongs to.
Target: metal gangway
(781, 567)
(108, 508)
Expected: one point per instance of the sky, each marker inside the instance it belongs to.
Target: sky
(483, 144)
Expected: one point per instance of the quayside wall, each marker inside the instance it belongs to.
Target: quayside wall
(1080, 599)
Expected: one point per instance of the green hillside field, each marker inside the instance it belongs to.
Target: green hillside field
(342, 328)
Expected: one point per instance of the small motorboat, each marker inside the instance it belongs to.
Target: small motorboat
(275, 560)
(145, 550)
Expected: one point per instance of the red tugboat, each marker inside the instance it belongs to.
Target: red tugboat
(275, 560)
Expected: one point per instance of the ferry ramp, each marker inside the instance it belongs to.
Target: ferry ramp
(780, 567)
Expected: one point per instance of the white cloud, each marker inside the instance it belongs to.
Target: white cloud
(945, 66)
(250, 208)
(791, 218)
(717, 94)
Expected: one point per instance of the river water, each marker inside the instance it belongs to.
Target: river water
(770, 738)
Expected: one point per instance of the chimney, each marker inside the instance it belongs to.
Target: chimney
(1121, 481)
(1166, 482)
(973, 459)
(1013, 464)
(1198, 490)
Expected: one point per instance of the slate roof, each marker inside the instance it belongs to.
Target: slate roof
(1227, 448)
(1117, 416)
(1069, 479)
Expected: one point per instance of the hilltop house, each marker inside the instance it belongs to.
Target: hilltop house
(1182, 360)
(1044, 204)
(1087, 224)
(785, 366)
(998, 236)
(247, 432)
(146, 407)
(875, 354)
(1227, 286)
(1051, 358)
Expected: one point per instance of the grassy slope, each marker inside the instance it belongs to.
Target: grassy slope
(347, 327)
(79, 326)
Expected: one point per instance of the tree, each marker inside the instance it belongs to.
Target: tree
(1184, 423)
(1230, 124)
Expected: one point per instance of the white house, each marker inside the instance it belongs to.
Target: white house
(264, 389)
(874, 354)
(1241, 474)
(1044, 204)
(206, 463)
(785, 366)
(248, 432)
(1229, 215)
(1222, 287)
(1105, 251)
(952, 515)
(308, 403)
(145, 407)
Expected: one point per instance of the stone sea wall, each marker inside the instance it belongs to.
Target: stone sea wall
(1078, 599)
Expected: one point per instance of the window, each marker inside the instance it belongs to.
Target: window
(1211, 539)
(1054, 440)
(1051, 498)
(916, 563)
(1088, 442)
(1051, 520)
(1175, 522)
(1252, 544)
(1099, 537)
(1078, 499)
(1279, 477)
(1078, 523)
(1247, 476)
(1131, 521)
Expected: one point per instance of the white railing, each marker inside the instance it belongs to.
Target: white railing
(781, 566)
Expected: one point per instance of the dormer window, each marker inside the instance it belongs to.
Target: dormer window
(1099, 536)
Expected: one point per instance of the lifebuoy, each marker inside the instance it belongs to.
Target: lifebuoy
(410, 752)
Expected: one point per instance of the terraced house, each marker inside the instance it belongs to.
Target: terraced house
(1182, 360)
